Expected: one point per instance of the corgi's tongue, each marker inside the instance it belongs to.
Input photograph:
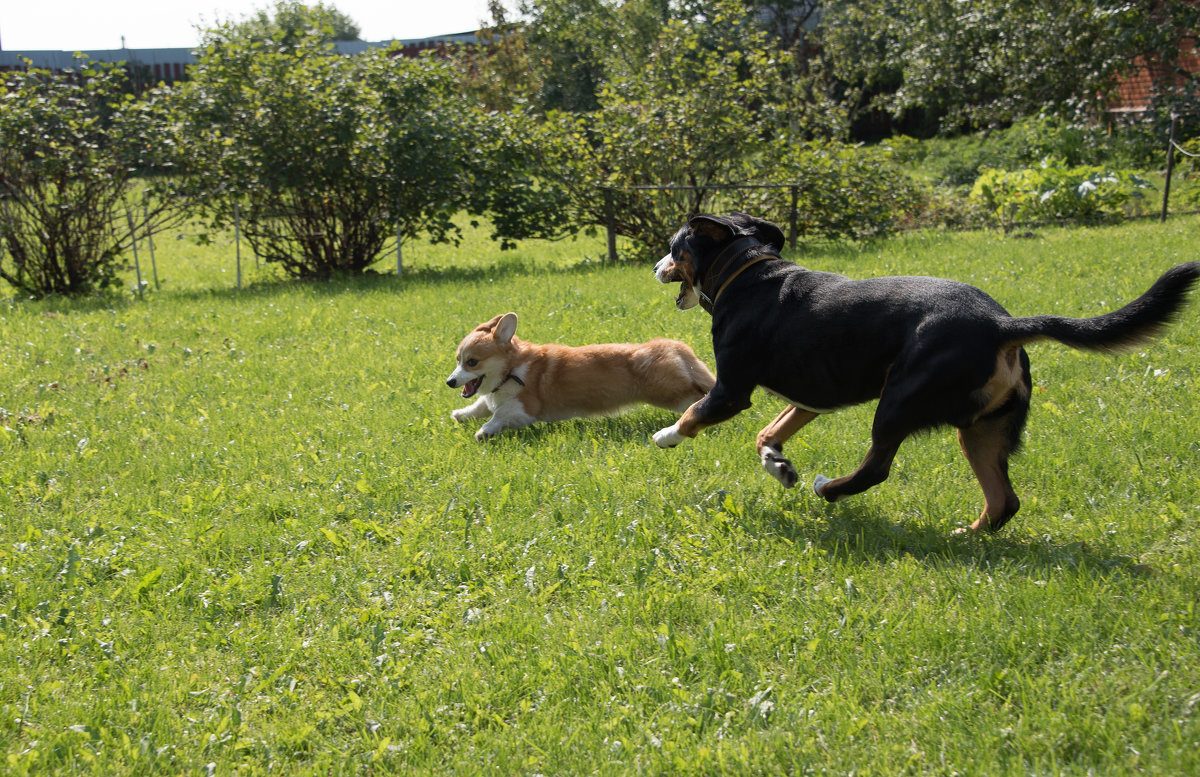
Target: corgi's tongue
(471, 387)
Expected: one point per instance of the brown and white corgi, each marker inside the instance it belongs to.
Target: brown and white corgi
(518, 382)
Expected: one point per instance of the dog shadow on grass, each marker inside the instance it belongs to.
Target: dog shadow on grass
(859, 533)
(849, 529)
(614, 430)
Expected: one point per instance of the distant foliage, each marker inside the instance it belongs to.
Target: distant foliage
(688, 118)
(956, 66)
(1074, 141)
(287, 22)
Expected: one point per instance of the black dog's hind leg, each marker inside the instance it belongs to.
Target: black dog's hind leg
(771, 439)
(988, 443)
(904, 407)
(873, 471)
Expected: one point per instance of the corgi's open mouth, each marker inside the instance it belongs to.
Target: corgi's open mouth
(472, 386)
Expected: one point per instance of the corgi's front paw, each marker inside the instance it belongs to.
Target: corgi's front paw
(489, 430)
(669, 437)
(459, 415)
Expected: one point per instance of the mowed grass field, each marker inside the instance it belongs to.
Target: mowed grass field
(240, 534)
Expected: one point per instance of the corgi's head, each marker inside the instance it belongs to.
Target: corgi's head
(483, 356)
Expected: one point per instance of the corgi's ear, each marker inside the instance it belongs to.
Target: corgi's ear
(506, 328)
(489, 325)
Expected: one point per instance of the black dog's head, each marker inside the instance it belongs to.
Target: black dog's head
(695, 246)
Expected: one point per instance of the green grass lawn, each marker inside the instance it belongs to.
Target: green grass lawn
(239, 533)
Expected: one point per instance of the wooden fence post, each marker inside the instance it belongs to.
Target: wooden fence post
(610, 225)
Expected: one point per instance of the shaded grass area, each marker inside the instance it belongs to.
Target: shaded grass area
(238, 528)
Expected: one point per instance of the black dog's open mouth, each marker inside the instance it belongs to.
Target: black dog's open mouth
(684, 286)
(472, 386)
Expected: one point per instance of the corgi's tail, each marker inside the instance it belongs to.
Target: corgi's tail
(1137, 322)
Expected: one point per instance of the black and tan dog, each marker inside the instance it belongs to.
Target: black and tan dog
(934, 352)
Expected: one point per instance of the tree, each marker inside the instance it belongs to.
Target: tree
(71, 145)
(690, 116)
(289, 21)
(557, 54)
(328, 158)
(986, 63)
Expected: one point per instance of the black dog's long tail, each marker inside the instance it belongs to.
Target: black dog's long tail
(1135, 323)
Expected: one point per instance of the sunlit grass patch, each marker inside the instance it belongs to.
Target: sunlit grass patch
(240, 528)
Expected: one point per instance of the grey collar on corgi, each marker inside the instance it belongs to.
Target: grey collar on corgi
(517, 383)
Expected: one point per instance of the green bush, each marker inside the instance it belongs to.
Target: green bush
(959, 161)
(71, 144)
(688, 119)
(1055, 191)
(842, 190)
(327, 160)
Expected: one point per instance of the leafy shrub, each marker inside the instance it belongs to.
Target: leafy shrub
(328, 159)
(841, 190)
(959, 161)
(70, 145)
(1056, 191)
(1190, 165)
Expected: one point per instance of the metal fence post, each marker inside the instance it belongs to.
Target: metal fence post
(1170, 166)
(237, 240)
(399, 257)
(150, 241)
(792, 223)
(137, 265)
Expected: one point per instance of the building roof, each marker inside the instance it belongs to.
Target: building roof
(64, 60)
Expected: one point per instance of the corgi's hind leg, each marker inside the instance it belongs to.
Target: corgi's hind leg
(689, 382)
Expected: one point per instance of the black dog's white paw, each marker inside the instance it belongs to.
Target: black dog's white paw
(668, 437)
(819, 486)
(779, 468)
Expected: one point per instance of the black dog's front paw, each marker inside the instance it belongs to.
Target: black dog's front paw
(779, 468)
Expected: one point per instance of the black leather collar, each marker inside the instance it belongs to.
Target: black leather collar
(727, 266)
(511, 376)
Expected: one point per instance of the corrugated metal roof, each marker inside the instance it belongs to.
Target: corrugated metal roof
(64, 60)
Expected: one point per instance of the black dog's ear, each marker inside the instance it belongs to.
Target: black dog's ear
(763, 230)
(738, 225)
(714, 227)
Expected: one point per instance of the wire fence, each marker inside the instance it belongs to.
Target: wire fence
(610, 211)
(791, 214)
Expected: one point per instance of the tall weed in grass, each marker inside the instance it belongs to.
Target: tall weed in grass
(239, 532)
